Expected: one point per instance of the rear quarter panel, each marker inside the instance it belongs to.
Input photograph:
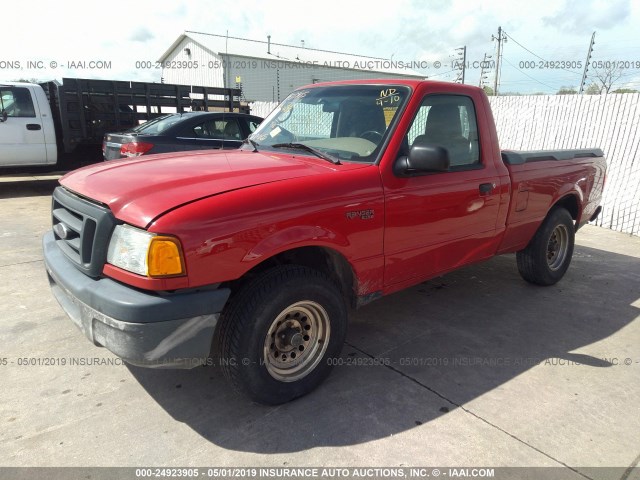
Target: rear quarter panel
(538, 186)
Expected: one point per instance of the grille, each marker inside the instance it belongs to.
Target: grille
(82, 230)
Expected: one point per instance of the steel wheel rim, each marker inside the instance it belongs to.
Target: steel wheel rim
(296, 341)
(557, 247)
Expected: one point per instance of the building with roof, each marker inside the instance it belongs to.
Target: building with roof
(264, 70)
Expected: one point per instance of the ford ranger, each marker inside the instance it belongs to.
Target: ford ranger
(348, 191)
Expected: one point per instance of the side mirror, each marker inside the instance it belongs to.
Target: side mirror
(423, 158)
(3, 116)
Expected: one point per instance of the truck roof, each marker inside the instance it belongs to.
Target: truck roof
(13, 84)
(396, 81)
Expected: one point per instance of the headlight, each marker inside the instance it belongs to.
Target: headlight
(145, 253)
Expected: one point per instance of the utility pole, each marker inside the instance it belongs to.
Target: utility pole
(462, 52)
(500, 38)
(586, 64)
(483, 76)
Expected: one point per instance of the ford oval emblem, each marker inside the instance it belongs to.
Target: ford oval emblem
(61, 230)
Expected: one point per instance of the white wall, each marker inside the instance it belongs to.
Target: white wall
(205, 75)
(271, 80)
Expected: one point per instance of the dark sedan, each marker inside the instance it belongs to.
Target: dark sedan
(181, 131)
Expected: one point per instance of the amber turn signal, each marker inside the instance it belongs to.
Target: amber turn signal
(165, 257)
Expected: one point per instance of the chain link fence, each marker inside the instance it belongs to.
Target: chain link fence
(610, 122)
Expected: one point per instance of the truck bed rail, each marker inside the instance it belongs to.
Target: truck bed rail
(514, 157)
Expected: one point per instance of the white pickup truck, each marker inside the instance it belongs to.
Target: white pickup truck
(64, 123)
(27, 133)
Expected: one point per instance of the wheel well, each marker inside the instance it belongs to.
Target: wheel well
(569, 203)
(330, 262)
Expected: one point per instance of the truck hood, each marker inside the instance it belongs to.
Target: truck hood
(139, 190)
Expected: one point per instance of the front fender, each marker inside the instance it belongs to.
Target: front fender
(296, 237)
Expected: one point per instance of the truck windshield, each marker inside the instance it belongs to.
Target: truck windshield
(347, 122)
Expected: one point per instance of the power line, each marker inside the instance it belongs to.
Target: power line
(443, 73)
(512, 82)
(630, 74)
(518, 43)
(535, 54)
(527, 75)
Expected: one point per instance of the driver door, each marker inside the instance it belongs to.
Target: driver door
(22, 140)
(435, 222)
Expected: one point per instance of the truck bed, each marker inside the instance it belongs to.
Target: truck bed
(535, 177)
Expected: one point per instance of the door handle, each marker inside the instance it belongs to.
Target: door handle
(33, 126)
(486, 188)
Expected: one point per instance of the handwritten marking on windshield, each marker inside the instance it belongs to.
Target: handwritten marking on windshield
(388, 96)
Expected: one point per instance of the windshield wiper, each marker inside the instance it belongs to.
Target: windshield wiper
(253, 143)
(307, 148)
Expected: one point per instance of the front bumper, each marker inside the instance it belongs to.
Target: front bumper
(142, 328)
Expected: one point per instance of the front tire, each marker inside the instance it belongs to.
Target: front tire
(548, 255)
(277, 336)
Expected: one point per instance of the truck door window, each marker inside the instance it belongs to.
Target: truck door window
(450, 122)
(16, 101)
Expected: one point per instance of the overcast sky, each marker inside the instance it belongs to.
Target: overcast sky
(125, 32)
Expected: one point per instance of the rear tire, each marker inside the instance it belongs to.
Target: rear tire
(548, 255)
(277, 336)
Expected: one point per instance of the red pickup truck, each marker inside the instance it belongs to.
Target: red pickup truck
(347, 192)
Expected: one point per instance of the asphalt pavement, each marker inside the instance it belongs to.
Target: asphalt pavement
(476, 368)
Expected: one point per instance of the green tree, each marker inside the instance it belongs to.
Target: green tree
(488, 90)
(567, 91)
(593, 89)
(625, 90)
